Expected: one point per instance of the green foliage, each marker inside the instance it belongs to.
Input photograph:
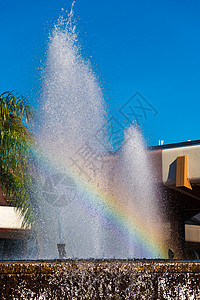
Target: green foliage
(15, 153)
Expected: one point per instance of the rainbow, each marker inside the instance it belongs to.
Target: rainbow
(120, 216)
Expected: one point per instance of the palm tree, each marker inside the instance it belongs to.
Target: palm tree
(15, 153)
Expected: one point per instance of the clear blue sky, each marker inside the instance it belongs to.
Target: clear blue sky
(148, 46)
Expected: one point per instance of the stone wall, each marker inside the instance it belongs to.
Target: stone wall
(100, 280)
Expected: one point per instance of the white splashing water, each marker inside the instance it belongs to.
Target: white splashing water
(73, 111)
(73, 102)
(137, 188)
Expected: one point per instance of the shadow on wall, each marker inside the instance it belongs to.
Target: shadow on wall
(172, 172)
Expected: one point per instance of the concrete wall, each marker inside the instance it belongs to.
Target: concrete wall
(169, 164)
(9, 218)
(192, 233)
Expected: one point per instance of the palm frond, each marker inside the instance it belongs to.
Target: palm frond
(16, 141)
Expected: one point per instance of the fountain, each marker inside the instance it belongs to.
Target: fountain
(99, 205)
(95, 207)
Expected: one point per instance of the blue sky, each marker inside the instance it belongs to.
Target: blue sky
(152, 47)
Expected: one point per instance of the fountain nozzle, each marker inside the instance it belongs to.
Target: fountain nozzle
(61, 251)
